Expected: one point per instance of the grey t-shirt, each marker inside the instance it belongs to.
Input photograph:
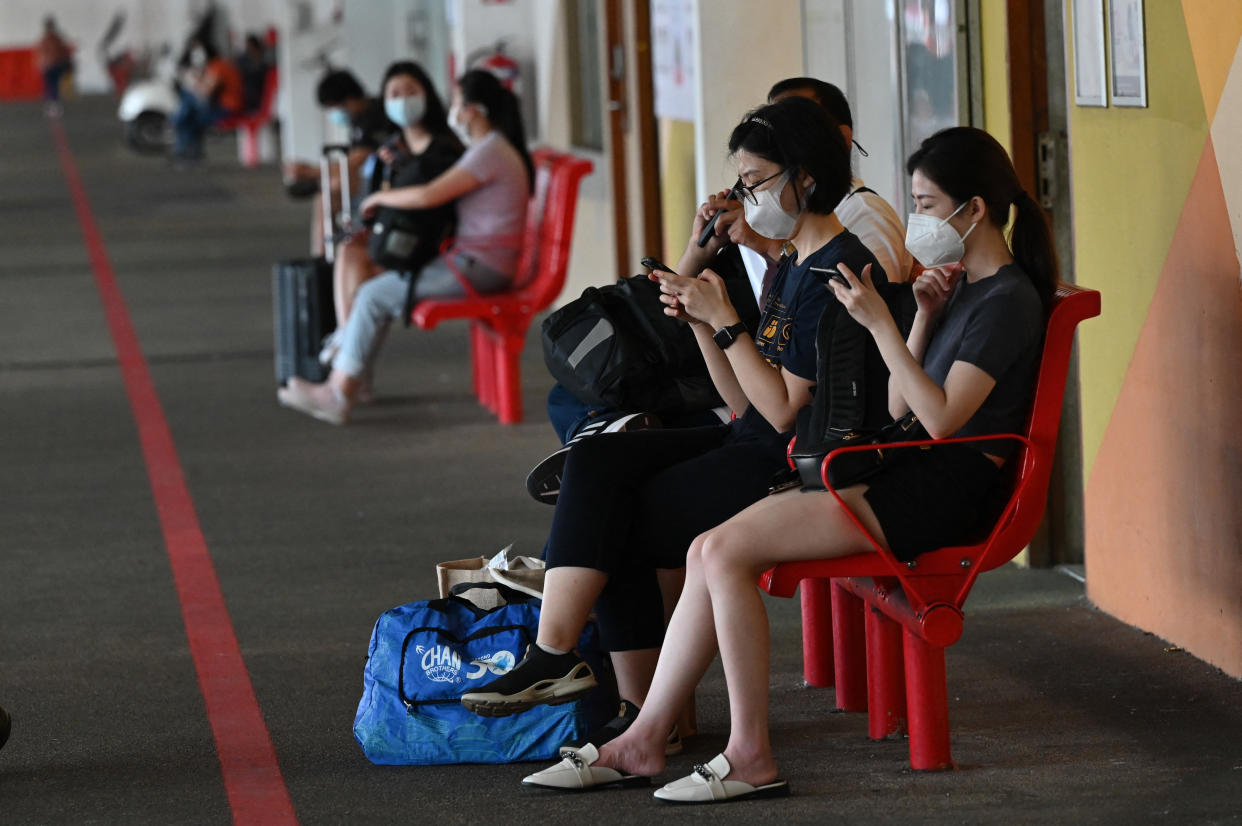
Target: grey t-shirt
(996, 324)
(490, 219)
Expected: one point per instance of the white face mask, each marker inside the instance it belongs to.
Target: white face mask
(932, 241)
(198, 58)
(405, 111)
(767, 217)
(463, 131)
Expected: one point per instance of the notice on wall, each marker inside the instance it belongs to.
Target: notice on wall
(674, 35)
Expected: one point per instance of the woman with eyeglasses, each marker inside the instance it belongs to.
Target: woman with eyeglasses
(631, 503)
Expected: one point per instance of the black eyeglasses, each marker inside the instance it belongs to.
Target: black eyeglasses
(747, 193)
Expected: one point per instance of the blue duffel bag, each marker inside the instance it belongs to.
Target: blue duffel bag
(425, 655)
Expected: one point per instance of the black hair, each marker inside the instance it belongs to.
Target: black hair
(338, 86)
(435, 117)
(797, 133)
(501, 107)
(964, 162)
(828, 96)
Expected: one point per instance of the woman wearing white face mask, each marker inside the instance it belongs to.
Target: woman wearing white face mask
(424, 149)
(968, 367)
(488, 189)
(630, 503)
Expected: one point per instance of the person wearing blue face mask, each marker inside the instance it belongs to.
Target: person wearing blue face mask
(348, 108)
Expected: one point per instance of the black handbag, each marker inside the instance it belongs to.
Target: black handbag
(407, 239)
(854, 466)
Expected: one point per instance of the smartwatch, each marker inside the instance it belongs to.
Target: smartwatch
(725, 336)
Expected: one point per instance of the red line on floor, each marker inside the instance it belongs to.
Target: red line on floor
(252, 778)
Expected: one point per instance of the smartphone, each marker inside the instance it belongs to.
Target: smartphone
(827, 274)
(709, 230)
(655, 264)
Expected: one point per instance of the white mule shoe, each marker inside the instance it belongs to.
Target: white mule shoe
(707, 784)
(577, 772)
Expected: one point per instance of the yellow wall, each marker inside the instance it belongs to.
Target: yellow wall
(1130, 171)
(993, 25)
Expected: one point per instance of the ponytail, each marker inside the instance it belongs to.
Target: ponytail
(1033, 250)
(481, 87)
(964, 162)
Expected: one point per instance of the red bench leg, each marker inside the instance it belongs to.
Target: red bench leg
(927, 704)
(508, 367)
(849, 650)
(886, 687)
(483, 359)
(816, 596)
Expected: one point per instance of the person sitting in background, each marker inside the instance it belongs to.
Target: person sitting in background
(424, 149)
(967, 367)
(210, 90)
(348, 107)
(53, 59)
(253, 63)
(490, 187)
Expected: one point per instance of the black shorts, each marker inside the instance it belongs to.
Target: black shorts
(929, 499)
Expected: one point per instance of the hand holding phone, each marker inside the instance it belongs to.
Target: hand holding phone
(710, 228)
(829, 274)
(655, 264)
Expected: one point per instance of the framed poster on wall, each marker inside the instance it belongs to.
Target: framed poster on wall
(1128, 50)
(1089, 68)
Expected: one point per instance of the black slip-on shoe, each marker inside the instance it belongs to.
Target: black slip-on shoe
(539, 679)
(543, 482)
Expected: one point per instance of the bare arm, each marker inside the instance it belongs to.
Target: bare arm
(941, 410)
(741, 375)
(445, 188)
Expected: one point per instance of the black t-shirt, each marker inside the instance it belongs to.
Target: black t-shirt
(790, 318)
(996, 324)
(371, 127)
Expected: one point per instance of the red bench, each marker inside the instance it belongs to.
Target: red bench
(498, 321)
(248, 124)
(878, 627)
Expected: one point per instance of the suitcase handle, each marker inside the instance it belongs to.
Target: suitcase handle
(338, 220)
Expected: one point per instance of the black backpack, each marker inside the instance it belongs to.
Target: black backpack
(614, 346)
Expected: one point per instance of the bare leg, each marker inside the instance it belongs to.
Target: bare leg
(351, 269)
(568, 594)
(721, 602)
(635, 670)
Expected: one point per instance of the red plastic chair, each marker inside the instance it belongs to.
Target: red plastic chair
(250, 123)
(889, 659)
(498, 321)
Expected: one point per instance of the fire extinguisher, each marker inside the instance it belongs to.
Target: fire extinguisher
(498, 63)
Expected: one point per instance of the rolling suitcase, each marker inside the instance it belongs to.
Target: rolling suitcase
(303, 309)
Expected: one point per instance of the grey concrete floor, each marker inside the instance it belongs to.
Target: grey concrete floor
(1060, 714)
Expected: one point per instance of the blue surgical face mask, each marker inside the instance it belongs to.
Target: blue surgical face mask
(407, 110)
(339, 117)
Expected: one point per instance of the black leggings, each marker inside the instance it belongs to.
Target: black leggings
(632, 502)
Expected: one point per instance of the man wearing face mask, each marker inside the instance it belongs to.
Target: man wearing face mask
(347, 107)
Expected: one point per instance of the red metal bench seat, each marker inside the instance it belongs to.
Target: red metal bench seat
(877, 628)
